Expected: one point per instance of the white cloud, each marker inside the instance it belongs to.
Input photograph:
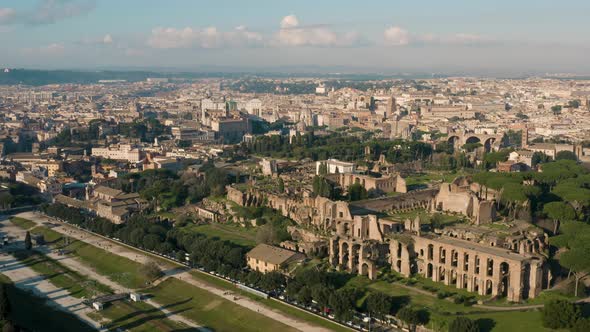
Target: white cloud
(107, 39)
(291, 33)
(47, 12)
(7, 15)
(289, 21)
(396, 36)
(203, 38)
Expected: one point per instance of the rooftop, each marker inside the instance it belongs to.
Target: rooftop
(271, 254)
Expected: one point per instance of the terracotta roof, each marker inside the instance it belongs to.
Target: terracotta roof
(271, 254)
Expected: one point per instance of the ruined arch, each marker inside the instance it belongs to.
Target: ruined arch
(365, 269)
(489, 287)
(454, 140)
(488, 144)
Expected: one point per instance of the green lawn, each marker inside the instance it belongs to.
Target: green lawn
(210, 310)
(508, 321)
(34, 314)
(119, 269)
(443, 311)
(296, 313)
(22, 223)
(243, 236)
(136, 317)
(60, 276)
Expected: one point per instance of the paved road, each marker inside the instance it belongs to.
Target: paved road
(170, 270)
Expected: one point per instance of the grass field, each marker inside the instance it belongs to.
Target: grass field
(229, 232)
(296, 313)
(210, 310)
(22, 223)
(60, 276)
(443, 311)
(119, 269)
(136, 317)
(34, 314)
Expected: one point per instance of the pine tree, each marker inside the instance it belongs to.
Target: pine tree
(28, 242)
(4, 303)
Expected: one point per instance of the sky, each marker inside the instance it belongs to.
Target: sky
(385, 36)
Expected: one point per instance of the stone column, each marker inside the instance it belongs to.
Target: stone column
(496, 278)
(341, 256)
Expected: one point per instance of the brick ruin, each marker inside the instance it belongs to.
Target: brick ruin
(474, 257)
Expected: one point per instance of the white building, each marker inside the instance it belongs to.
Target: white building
(119, 152)
(335, 166)
(254, 106)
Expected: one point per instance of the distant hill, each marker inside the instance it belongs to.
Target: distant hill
(36, 77)
(44, 77)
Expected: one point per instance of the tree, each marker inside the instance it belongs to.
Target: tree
(321, 294)
(357, 192)
(409, 316)
(463, 324)
(379, 305)
(581, 325)
(343, 302)
(556, 109)
(559, 212)
(28, 242)
(565, 155)
(574, 103)
(559, 314)
(577, 260)
(539, 158)
(272, 281)
(281, 185)
(304, 296)
(4, 303)
(253, 278)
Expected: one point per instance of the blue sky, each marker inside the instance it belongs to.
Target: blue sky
(438, 36)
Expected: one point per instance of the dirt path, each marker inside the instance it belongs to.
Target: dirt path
(170, 270)
(27, 279)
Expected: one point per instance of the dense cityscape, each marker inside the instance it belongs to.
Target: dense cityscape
(226, 200)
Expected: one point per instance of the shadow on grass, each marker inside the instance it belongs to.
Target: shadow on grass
(485, 324)
(152, 319)
(138, 312)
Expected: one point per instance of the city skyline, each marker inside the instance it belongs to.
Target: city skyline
(452, 37)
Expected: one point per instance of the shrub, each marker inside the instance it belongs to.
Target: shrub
(558, 314)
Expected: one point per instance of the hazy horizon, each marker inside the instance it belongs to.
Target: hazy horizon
(499, 38)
